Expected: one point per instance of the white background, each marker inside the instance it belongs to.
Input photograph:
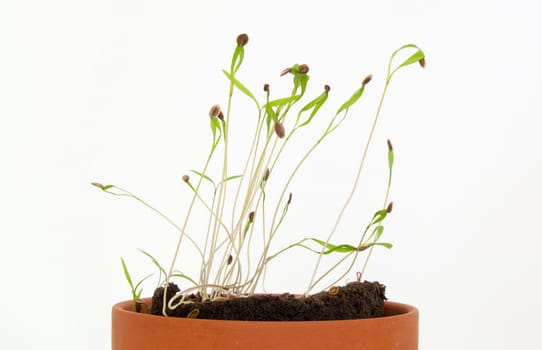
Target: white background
(118, 92)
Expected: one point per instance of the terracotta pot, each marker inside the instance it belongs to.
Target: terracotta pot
(397, 330)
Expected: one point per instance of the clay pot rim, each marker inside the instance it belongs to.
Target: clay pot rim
(392, 310)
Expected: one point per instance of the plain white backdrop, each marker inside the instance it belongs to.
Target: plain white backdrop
(118, 92)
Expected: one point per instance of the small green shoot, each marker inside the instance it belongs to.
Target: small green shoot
(135, 290)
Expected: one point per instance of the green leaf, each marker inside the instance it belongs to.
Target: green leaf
(341, 248)
(237, 58)
(228, 179)
(242, 88)
(315, 105)
(384, 244)
(353, 99)
(182, 275)
(106, 187)
(390, 159)
(379, 216)
(216, 127)
(127, 274)
(369, 245)
(247, 227)
(301, 80)
(139, 283)
(204, 176)
(282, 101)
(232, 177)
(416, 57)
(378, 230)
(154, 261)
(271, 115)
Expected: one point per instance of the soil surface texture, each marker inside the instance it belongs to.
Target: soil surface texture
(353, 301)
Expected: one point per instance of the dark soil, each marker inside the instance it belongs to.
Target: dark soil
(353, 301)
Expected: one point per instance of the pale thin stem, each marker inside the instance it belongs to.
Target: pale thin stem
(203, 269)
(182, 294)
(181, 236)
(223, 190)
(162, 215)
(252, 154)
(263, 258)
(212, 213)
(354, 187)
(374, 241)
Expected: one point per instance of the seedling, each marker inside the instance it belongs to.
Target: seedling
(243, 221)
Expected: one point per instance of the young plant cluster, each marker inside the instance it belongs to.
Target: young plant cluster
(242, 221)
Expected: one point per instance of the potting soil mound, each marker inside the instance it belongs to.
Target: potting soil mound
(353, 301)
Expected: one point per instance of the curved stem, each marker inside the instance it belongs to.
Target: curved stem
(162, 215)
(181, 236)
(354, 186)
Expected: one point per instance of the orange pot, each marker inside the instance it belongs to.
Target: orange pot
(397, 330)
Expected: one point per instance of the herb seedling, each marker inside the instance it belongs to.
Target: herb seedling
(242, 220)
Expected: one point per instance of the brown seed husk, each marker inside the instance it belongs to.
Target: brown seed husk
(303, 69)
(367, 79)
(422, 62)
(242, 39)
(214, 111)
(279, 130)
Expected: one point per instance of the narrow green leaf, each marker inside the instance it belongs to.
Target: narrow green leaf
(315, 105)
(301, 80)
(233, 177)
(127, 274)
(215, 127)
(106, 187)
(154, 261)
(311, 104)
(242, 88)
(182, 275)
(379, 216)
(228, 179)
(204, 176)
(353, 99)
(237, 58)
(139, 283)
(369, 245)
(384, 244)
(390, 159)
(282, 101)
(378, 231)
(341, 248)
(271, 115)
(415, 58)
(245, 230)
